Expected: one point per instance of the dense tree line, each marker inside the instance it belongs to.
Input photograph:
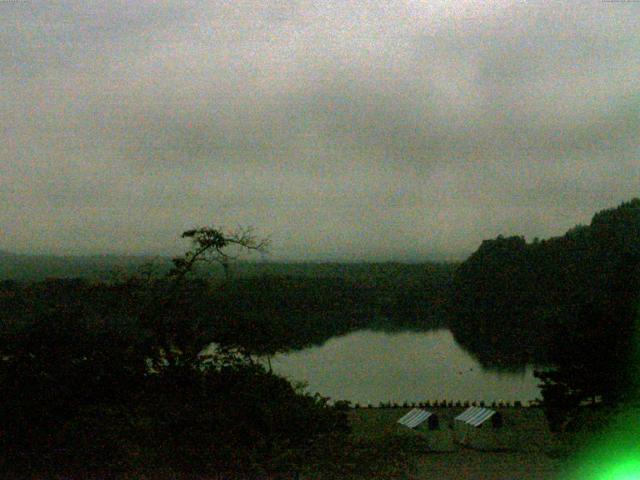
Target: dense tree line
(102, 380)
(35, 268)
(568, 301)
(266, 313)
(79, 399)
(286, 313)
(116, 376)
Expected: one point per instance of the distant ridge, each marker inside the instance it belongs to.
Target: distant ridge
(34, 267)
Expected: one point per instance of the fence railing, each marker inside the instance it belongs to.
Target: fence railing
(450, 404)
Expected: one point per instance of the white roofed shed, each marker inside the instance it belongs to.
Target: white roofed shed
(417, 419)
(474, 430)
(475, 416)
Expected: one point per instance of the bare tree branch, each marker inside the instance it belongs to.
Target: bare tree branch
(210, 244)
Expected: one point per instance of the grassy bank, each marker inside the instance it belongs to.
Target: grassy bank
(524, 429)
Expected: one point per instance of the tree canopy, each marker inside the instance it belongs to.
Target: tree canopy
(105, 378)
(569, 302)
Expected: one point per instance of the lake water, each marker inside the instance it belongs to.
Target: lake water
(371, 367)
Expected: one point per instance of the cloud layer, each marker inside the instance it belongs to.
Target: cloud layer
(345, 130)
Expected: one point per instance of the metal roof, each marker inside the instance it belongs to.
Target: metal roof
(414, 418)
(475, 415)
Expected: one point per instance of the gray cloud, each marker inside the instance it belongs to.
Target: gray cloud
(361, 129)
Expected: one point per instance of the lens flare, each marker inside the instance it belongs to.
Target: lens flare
(626, 470)
(614, 454)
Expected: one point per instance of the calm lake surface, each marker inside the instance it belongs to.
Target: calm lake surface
(371, 367)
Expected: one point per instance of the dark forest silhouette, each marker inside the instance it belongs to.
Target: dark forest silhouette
(111, 374)
(570, 302)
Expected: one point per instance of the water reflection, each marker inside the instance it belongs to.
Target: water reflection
(372, 366)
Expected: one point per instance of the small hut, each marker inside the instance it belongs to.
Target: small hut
(480, 428)
(427, 425)
(420, 420)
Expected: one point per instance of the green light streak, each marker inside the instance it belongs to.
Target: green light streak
(626, 470)
(621, 470)
(614, 454)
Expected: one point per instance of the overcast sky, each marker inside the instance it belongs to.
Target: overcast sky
(393, 129)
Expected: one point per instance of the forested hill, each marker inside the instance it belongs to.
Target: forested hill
(19, 267)
(523, 301)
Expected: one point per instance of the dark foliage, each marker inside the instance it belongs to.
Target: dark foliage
(569, 302)
(105, 378)
(79, 394)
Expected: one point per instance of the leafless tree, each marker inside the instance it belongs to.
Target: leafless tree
(210, 244)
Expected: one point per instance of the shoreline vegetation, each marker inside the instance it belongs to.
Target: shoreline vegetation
(127, 389)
